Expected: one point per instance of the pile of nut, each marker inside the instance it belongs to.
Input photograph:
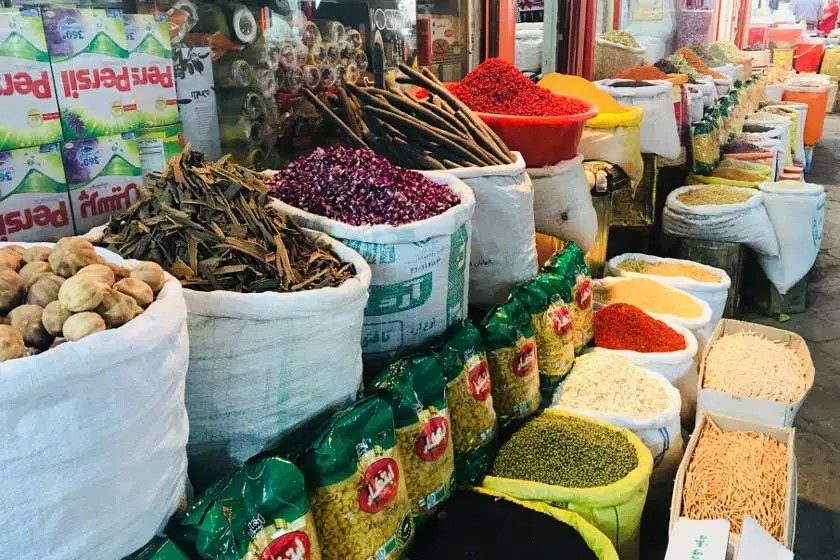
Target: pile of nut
(50, 295)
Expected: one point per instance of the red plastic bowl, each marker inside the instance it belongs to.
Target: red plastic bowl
(540, 140)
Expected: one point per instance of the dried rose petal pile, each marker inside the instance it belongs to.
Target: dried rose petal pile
(358, 187)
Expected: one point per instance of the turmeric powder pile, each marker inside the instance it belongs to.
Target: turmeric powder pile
(649, 296)
(575, 86)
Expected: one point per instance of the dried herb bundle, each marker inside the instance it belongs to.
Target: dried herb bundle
(207, 224)
(440, 132)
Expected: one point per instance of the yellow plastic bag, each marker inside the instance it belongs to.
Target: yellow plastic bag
(706, 180)
(615, 509)
(616, 138)
(598, 543)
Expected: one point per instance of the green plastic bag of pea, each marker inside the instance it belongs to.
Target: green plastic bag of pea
(357, 487)
(259, 511)
(416, 390)
(159, 548)
(570, 263)
(512, 357)
(546, 298)
(469, 399)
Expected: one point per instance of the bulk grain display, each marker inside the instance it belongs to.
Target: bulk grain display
(269, 304)
(415, 233)
(81, 325)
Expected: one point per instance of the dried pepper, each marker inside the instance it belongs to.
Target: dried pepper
(622, 326)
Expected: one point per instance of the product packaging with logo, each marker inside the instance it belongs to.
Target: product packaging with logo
(27, 94)
(34, 205)
(158, 145)
(258, 512)
(570, 263)
(546, 298)
(357, 486)
(512, 356)
(89, 57)
(416, 390)
(193, 69)
(104, 177)
(150, 64)
(469, 401)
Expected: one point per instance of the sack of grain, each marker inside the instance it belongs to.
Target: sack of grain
(601, 472)
(702, 281)
(607, 386)
(659, 132)
(262, 364)
(419, 274)
(562, 203)
(95, 424)
(503, 247)
(797, 212)
(718, 213)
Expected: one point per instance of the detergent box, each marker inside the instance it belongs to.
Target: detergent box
(150, 64)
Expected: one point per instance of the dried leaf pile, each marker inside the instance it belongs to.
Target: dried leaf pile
(440, 132)
(208, 225)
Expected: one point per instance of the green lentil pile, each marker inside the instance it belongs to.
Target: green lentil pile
(566, 451)
(621, 37)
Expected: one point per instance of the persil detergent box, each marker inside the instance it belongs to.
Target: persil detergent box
(89, 57)
(150, 63)
(103, 176)
(34, 205)
(29, 115)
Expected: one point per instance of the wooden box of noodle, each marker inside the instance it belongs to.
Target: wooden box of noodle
(770, 412)
(730, 424)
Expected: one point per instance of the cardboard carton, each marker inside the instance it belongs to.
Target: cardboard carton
(158, 145)
(150, 63)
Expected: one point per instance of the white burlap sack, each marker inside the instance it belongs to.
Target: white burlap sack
(93, 454)
(562, 203)
(419, 272)
(620, 145)
(262, 364)
(661, 434)
(660, 134)
(797, 214)
(713, 293)
(744, 222)
(503, 247)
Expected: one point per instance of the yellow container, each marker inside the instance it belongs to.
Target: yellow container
(783, 57)
(831, 62)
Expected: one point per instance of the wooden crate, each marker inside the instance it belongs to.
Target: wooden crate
(730, 257)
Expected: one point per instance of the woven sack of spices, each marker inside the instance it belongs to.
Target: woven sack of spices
(613, 58)
(659, 132)
(738, 222)
(503, 248)
(419, 273)
(617, 138)
(797, 212)
(562, 203)
(615, 507)
(94, 423)
(714, 292)
(611, 388)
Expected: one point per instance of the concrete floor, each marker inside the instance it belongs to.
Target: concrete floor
(817, 443)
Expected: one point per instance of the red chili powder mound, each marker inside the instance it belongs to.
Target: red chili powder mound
(621, 326)
(496, 86)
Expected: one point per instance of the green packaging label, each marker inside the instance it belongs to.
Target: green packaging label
(158, 145)
(150, 64)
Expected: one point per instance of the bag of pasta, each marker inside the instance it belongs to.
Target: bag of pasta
(570, 263)
(512, 357)
(357, 485)
(706, 146)
(258, 511)
(416, 390)
(469, 400)
(545, 299)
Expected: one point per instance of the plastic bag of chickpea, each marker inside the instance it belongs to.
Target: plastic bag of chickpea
(512, 357)
(356, 485)
(546, 298)
(416, 390)
(463, 360)
(259, 511)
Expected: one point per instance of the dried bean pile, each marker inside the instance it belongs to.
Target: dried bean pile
(358, 187)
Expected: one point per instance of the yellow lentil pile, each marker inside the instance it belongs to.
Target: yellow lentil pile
(649, 296)
(713, 195)
(671, 269)
(747, 364)
(607, 383)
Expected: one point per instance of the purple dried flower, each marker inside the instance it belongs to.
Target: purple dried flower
(358, 187)
(741, 147)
